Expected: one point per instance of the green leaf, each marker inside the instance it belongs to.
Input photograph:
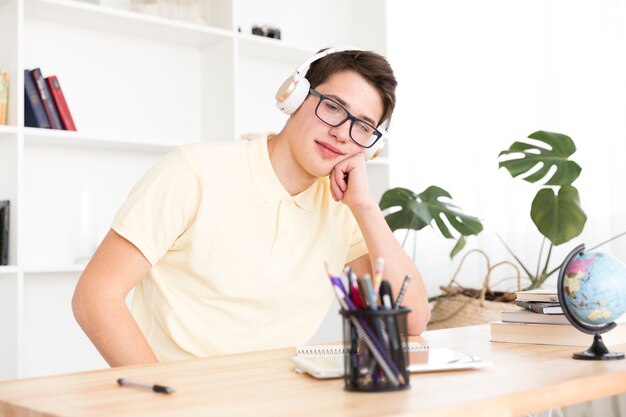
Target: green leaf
(412, 215)
(558, 217)
(418, 210)
(559, 149)
(460, 244)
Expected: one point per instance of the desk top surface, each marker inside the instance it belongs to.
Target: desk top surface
(524, 379)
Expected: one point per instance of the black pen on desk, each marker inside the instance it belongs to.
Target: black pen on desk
(154, 387)
(405, 285)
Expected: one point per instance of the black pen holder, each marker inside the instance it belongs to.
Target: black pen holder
(376, 353)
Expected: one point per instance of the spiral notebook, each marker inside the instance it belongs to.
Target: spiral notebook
(326, 361)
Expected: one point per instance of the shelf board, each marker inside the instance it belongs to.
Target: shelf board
(272, 49)
(53, 269)
(35, 136)
(8, 269)
(112, 20)
(6, 130)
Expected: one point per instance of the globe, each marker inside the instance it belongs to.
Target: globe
(592, 294)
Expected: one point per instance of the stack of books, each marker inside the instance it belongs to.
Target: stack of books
(44, 102)
(540, 320)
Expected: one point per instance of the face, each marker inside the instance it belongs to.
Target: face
(318, 147)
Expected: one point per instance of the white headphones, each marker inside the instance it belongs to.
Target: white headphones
(292, 93)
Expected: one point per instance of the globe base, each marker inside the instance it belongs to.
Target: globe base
(598, 351)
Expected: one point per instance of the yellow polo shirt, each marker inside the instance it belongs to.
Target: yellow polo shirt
(237, 262)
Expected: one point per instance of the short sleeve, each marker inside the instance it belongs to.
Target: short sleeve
(160, 207)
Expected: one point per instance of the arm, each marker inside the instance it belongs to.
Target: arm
(380, 240)
(99, 302)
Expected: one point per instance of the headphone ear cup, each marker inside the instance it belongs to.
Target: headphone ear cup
(292, 94)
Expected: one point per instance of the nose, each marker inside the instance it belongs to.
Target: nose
(342, 132)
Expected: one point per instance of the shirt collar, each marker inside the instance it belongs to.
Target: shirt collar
(267, 182)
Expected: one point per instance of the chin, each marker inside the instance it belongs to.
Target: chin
(321, 172)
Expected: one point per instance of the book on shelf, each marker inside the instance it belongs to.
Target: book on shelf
(34, 113)
(4, 232)
(551, 334)
(529, 316)
(4, 96)
(67, 122)
(547, 295)
(540, 307)
(327, 361)
(48, 104)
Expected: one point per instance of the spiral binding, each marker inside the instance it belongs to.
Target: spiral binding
(324, 350)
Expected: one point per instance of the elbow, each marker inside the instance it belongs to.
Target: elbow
(418, 320)
(83, 304)
(79, 305)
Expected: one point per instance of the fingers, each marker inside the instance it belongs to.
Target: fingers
(335, 189)
(341, 178)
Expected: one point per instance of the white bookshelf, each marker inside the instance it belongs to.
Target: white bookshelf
(137, 86)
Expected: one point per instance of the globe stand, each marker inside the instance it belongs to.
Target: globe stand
(598, 350)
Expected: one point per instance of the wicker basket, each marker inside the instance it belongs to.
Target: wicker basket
(460, 306)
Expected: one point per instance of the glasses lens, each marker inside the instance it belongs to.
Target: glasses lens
(364, 134)
(330, 112)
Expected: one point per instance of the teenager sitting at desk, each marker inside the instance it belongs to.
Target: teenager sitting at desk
(225, 243)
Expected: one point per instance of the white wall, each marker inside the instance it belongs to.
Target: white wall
(476, 76)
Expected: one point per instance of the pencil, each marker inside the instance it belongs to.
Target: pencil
(405, 285)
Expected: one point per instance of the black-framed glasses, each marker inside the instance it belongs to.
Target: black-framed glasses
(334, 114)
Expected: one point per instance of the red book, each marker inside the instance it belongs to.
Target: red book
(61, 104)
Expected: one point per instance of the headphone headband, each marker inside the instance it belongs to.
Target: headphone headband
(304, 67)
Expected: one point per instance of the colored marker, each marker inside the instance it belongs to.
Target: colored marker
(355, 295)
(378, 275)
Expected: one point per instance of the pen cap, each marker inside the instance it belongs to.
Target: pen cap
(385, 291)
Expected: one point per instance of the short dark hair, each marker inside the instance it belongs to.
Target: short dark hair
(374, 68)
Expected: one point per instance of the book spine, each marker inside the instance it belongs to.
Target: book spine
(4, 96)
(4, 232)
(46, 99)
(34, 114)
(59, 99)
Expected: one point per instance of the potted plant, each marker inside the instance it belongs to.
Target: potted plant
(555, 210)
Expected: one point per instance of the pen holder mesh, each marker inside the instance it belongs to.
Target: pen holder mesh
(375, 346)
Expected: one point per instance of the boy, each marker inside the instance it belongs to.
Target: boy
(225, 243)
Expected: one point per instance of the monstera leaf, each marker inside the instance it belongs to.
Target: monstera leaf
(558, 217)
(419, 210)
(559, 149)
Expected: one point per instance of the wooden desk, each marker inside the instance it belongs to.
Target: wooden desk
(525, 378)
